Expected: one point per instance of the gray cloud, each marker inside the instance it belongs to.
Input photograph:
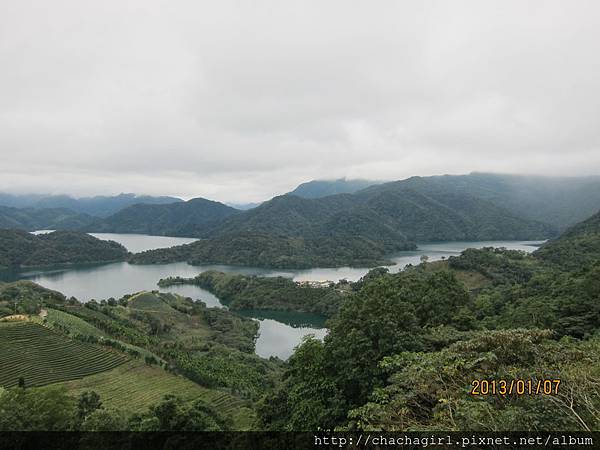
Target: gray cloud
(242, 100)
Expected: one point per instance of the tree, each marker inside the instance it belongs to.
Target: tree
(309, 399)
(87, 403)
(37, 409)
(105, 420)
(431, 390)
(173, 414)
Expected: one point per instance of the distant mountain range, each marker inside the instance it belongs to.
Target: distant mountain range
(315, 224)
(243, 206)
(558, 201)
(100, 206)
(189, 218)
(323, 188)
(31, 219)
(353, 229)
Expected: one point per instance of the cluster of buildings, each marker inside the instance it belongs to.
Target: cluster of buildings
(316, 283)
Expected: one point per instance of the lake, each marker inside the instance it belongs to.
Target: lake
(279, 332)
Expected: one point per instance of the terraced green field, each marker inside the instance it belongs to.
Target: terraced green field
(135, 386)
(43, 357)
(73, 323)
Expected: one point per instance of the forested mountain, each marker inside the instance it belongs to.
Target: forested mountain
(577, 247)
(323, 188)
(189, 218)
(470, 207)
(558, 201)
(101, 206)
(19, 249)
(349, 229)
(425, 214)
(42, 219)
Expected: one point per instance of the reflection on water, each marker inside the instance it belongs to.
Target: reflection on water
(136, 243)
(293, 319)
(278, 339)
(280, 332)
(194, 292)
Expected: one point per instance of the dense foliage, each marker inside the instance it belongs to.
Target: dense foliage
(21, 249)
(274, 251)
(427, 391)
(26, 297)
(53, 409)
(499, 265)
(270, 293)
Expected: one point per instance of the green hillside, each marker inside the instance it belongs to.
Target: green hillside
(26, 297)
(271, 293)
(154, 345)
(557, 201)
(359, 229)
(577, 247)
(73, 325)
(285, 252)
(189, 218)
(22, 249)
(42, 357)
(43, 219)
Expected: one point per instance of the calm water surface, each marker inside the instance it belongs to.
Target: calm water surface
(136, 243)
(279, 332)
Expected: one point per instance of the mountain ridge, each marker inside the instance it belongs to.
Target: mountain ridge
(100, 205)
(32, 219)
(185, 219)
(349, 229)
(324, 188)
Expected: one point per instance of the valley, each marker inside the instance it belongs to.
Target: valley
(254, 344)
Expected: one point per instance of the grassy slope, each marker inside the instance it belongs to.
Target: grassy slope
(73, 323)
(135, 386)
(471, 279)
(183, 327)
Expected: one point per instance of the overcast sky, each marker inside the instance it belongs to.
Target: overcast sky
(238, 101)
